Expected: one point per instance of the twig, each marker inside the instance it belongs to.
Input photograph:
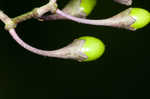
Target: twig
(72, 51)
(35, 13)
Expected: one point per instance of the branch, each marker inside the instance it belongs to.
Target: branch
(35, 13)
(72, 51)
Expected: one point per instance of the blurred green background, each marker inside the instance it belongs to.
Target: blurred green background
(121, 73)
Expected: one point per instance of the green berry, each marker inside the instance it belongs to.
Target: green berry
(80, 8)
(87, 6)
(93, 48)
(141, 16)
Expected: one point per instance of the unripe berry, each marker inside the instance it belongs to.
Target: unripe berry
(141, 16)
(87, 6)
(80, 8)
(93, 48)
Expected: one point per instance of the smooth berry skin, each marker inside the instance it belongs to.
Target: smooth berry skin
(141, 16)
(87, 6)
(93, 48)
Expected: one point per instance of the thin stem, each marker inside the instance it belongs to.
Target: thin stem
(51, 6)
(71, 51)
(7, 21)
(84, 21)
(37, 12)
(25, 45)
(52, 17)
(125, 2)
(25, 16)
(60, 53)
(4, 18)
(121, 20)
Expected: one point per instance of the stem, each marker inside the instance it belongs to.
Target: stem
(25, 45)
(51, 6)
(25, 16)
(52, 17)
(71, 51)
(4, 18)
(122, 20)
(37, 12)
(84, 21)
(125, 2)
(7, 21)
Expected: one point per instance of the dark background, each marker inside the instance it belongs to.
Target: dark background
(121, 73)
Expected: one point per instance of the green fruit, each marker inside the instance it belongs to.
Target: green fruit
(80, 8)
(87, 6)
(141, 16)
(93, 48)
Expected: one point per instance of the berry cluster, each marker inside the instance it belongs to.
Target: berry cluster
(84, 48)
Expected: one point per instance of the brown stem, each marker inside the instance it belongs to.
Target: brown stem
(37, 12)
(25, 16)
